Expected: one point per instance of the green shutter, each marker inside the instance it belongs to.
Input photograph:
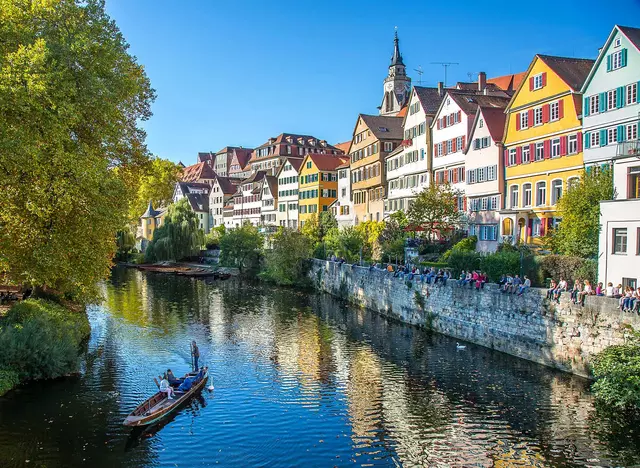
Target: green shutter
(588, 170)
(638, 92)
(603, 102)
(620, 97)
(585, 110)
(587, 141)
(623, 59)
(603, 137)
(620, 133)
(608, 63)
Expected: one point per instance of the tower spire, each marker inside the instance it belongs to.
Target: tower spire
(397, 57)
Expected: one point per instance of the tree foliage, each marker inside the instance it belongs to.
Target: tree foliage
(71, 99)
(287, 263)
(436, 210)
(125, 242)
(316, 227)
(240, 247)
(156, 184)
(346, 242)
(179, 236)
(579, 208)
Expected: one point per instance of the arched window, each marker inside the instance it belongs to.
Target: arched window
(541, 193)
(514, 196)
(526, 195)
(556, 191)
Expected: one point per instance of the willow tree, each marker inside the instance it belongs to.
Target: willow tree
(179, 236)
(71, 99)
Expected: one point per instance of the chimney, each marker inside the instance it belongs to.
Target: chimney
(440, 88)
(482, 81)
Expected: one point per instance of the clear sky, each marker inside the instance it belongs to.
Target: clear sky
(238, 72)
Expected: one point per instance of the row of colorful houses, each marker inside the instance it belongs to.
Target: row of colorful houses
(512, 145)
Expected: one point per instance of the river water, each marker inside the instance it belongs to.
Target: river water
(300, 380)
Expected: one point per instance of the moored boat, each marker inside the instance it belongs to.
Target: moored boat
(159, 406)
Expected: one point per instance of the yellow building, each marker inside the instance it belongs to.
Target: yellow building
(374, 137)
(149, 222)
(318, 186)
(543, 145)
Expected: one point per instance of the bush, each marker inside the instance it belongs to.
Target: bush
(500, 263)
(8, 380)
(40, 339)
(468, 244)
(241, 247)
(462, 260)
(436, 265)
(569, 268)
(287, 263)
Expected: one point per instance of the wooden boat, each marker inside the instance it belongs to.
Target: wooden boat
(159, 406)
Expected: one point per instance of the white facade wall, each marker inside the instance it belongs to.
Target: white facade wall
(408, 172)
(287, 210)
(216, 202)
(269, 206)
(454, 160)
(603, 81)
(247, 208)
(344, 209)
(484, 199)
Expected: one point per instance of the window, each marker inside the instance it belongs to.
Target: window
(512, 156)
(554, 109)
(619, 240)
(487, 232)
(617, 43)
(526, 195)
(449, 146)
(537, 81)
(539, 151)
(388, 146)
(492, 172)
(572, 144)
(611, 99)
(459, 143)
(493, 202)
(611, 136)
(555, 147)
(536, 227)
(594, 104)
(556, 191)
(631, 132)
(308, 164)
(524, 120)
(616, 60)
(594, 139)
(537, 116)
(514, 196)
(632, 94)
(481, 123)
(541, 193)
(526, 154)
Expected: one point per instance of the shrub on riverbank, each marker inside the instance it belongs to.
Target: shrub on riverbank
(288, 261)
(241, 248)
(40, 339)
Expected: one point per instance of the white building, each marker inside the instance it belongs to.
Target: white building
(269, 195)
(409, 166)
(247, 204)
(222, 191)
(611, 126)
(484, 167)
(342, 208)
(287, 215)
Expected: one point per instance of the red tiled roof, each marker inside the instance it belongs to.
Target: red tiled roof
(327, 162)
(494, 118)
(197, 172)
(508, 82)
(344, 147)
(403, 111)
(344, 165)
(572, 71)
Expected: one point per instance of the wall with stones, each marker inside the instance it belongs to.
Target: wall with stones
(564, 335)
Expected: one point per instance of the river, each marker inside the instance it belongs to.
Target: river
(300, 380)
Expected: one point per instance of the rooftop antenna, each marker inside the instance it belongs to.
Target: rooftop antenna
(420, 72)
(470, 75)
(445, 66)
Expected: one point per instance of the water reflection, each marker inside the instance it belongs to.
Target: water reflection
(299, 379)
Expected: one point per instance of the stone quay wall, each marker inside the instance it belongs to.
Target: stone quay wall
(564, 336)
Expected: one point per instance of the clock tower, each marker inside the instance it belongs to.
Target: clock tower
(397, 84)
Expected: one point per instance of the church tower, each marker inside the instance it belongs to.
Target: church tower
(397, 85)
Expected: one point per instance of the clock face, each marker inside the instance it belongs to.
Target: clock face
(388, 86)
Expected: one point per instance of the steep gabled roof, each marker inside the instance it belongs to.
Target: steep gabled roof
(494, 119)
(198, 201)
(326, 162)
(344, 147)
(150, 213)
(205, 156)
(345, 165)
(572, 71)
(403, 112)
(198, 172)
(283, 138)
(228, 185)
(633, 34)
(429, 98)
(383, 127)
(508, 82)
(272, 182)
(469, 102)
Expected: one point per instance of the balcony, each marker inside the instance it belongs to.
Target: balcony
(628, 148)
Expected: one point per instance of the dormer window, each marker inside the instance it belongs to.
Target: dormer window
(312, 142)
(617, 42)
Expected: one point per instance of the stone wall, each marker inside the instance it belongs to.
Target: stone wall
(531, 327)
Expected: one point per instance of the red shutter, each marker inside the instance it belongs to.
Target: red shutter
(563, 146)
(459, 116)
(547, 149)
(544, 79)
(446, 175)
(518, 121)
(453, 145)
(444, 122)
(455, 176)
(560, 108)
(463, 141)
(519, 155)
(438, 124)
(506, 157)
(531, 84)
(543, 226)
(545, 113)
(530, 117)
(532, 152)
(579, 142)
(464, 203)
(435, 151)
(529, 227)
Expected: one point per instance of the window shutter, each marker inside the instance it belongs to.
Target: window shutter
(603, 102)
(529, 227)
(620, 97)
(543, 225)
(454, 141)
(608, 63)
(506, 158)
(561, 108)
(530, 117)
(519, 155)
(579, 142)
(459, 116)
(545, 113)
(463, 142)
(623, 58)
(518, 121)
(585, 110)
(547, 149)
(455, 176)
(587, 141)
(620, 135)
(531, 84)
(603, 137)
(638, 92)
(444, 122)
(563, 145)
(464, 203)
(438, 124)
(446, 175)
(544, 79)
(532, 152)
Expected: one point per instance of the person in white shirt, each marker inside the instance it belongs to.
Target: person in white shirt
(609, 290)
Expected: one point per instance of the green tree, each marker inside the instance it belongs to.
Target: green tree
(156, 183)
(287, 263)
(346, 242)
(212, 240)
(179, 236)
(71, 99)
(371, 231)
(579, 208)
(125, 241)
(241, 247)
(435, 209)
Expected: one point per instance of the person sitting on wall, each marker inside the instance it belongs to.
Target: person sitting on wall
(636, 305)
(552, 289)
(609, 290)
(517, 281)
(617, 292)
(524, 286)
(461, 278)
(502, 281)
(389, 268)
(474, 278)
(577, 287)
(507, 284)
(562, 287)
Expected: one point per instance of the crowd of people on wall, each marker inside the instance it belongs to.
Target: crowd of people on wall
(628, 298)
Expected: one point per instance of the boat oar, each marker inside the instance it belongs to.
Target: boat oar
(156, 382)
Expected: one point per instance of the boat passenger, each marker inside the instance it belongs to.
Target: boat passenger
(172, 378)
(165, 387)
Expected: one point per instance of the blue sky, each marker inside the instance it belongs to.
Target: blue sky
(238, 72)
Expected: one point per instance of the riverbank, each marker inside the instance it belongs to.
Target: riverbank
(40, 339)
(565, 336)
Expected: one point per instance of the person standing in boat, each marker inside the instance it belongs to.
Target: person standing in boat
(195, 352)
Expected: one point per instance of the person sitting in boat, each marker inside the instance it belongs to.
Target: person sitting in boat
(172, 378)
(165, 387)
